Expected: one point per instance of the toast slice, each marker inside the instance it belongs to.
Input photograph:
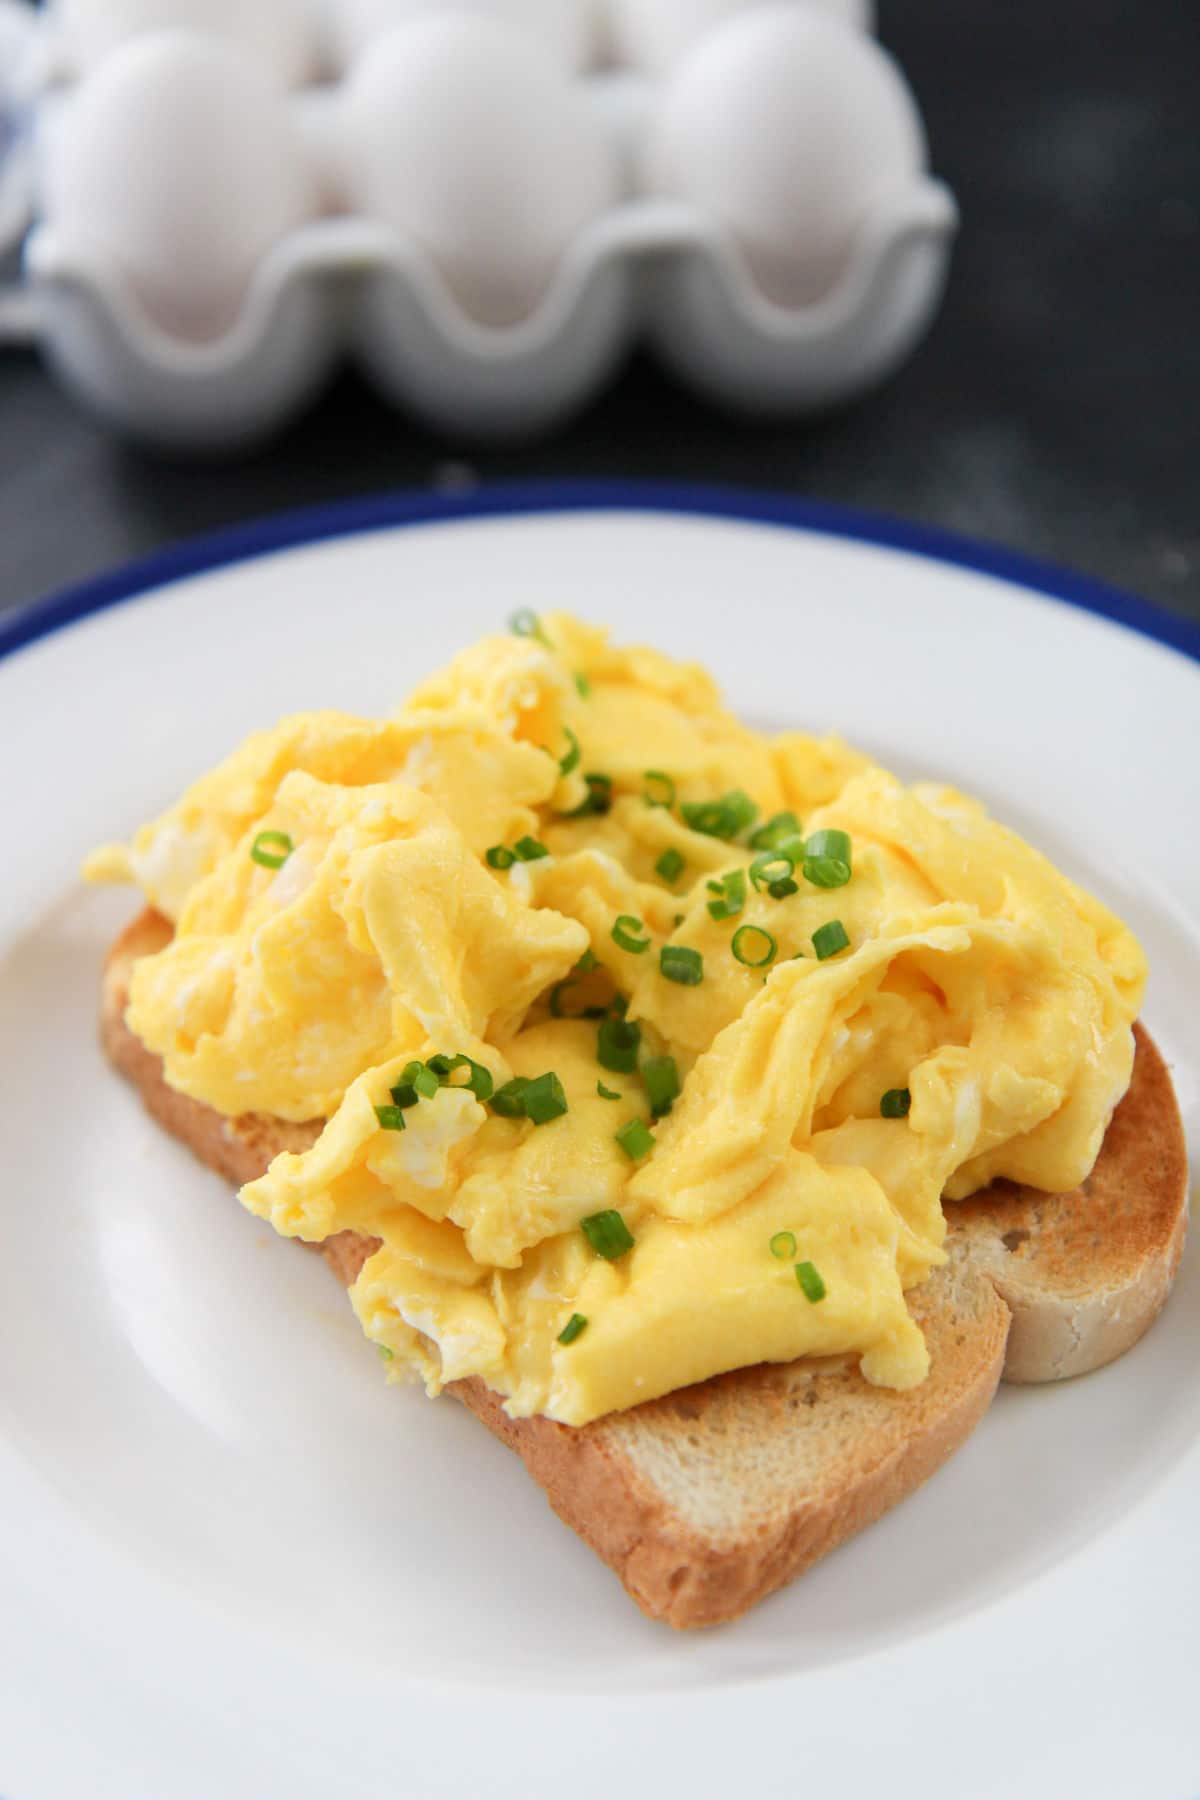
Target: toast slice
(707, 1499)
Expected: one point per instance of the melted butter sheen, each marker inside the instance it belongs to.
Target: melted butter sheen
(976, 976)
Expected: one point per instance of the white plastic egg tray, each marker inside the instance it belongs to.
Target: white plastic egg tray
(485, 202)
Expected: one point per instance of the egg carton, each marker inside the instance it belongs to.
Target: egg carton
(681, 262)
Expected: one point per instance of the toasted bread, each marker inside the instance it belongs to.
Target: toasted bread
(708, 1499)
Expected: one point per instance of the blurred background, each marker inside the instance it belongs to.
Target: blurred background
(1054, 406)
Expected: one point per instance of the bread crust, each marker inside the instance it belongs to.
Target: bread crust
(709, 1498)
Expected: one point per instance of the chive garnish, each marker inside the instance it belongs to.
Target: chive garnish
(390, 1118)
(732, 891)
(607, 1233)
(624, 933)
(271, 849)
(606, 1093)
(544, 1099)
(679, 963)
(659, 789)
(660, 1075)
(539, 1100)
(810, 1281)
(670, 866)
(386, 1354)
(829, 939)
(636, 1139)
(783, 1246)
(723, 818)
(583, 685)
(500, 857)
(479, 1081)
(571, 1330)
(527, 624)
(509, 1101)
(773, 870)
(574, 754)
(747, 940)
(895, 1103)
(829, 843)
(617, 1044)
(826, 871)
(599, 797)
(769, 836)
(529, 850)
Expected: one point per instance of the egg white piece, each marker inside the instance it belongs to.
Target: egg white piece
(566, 29)
(177, 164)
(281, 32)
(463, 137)
(789, 129)
(653, 35)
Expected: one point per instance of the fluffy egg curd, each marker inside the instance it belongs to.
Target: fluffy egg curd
(645, 1046)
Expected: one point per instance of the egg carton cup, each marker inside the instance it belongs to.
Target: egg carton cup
(655, 270)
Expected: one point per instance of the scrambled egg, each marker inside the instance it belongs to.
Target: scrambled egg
(646, 1046)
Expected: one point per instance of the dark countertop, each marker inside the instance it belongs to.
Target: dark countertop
(1055, 408)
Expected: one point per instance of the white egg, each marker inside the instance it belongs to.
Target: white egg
(653, 35)
(567, 29)
(465, 138)
(282, 32)
(177, 164)
(789, 130)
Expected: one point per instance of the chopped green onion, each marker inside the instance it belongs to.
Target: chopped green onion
(660, 1074)
(723, 818)
(781, 825)
(771, 868)
(677, 963)
(571, 1330)
(670, 866)
(826, 871)
(509, 1101)
(572, 759)
(783, 1245)
(810, 1281)
(271, 849)
(390, 1118)
(895, 1103)
(659, 789)
(480, 1081)
(732, 889)
(584, 686)
(599, 797)
(779, 890)
(624, 933)
(527, 624)
(606, 1093)
(607, 1233)
(829, 939)
(586, 963)
(829, 843)
(386, 1354)
(529, 850)
(636, 1139)
(747, 939)
(499, 857)
(544, 1099)
(617, 1044)
(415, 1083)
(827, 859)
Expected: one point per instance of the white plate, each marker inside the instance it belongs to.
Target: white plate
(231, 1562)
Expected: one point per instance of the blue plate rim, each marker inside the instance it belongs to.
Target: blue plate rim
(387, 511)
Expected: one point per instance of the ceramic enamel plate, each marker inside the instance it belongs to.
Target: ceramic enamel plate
(233, 1562)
